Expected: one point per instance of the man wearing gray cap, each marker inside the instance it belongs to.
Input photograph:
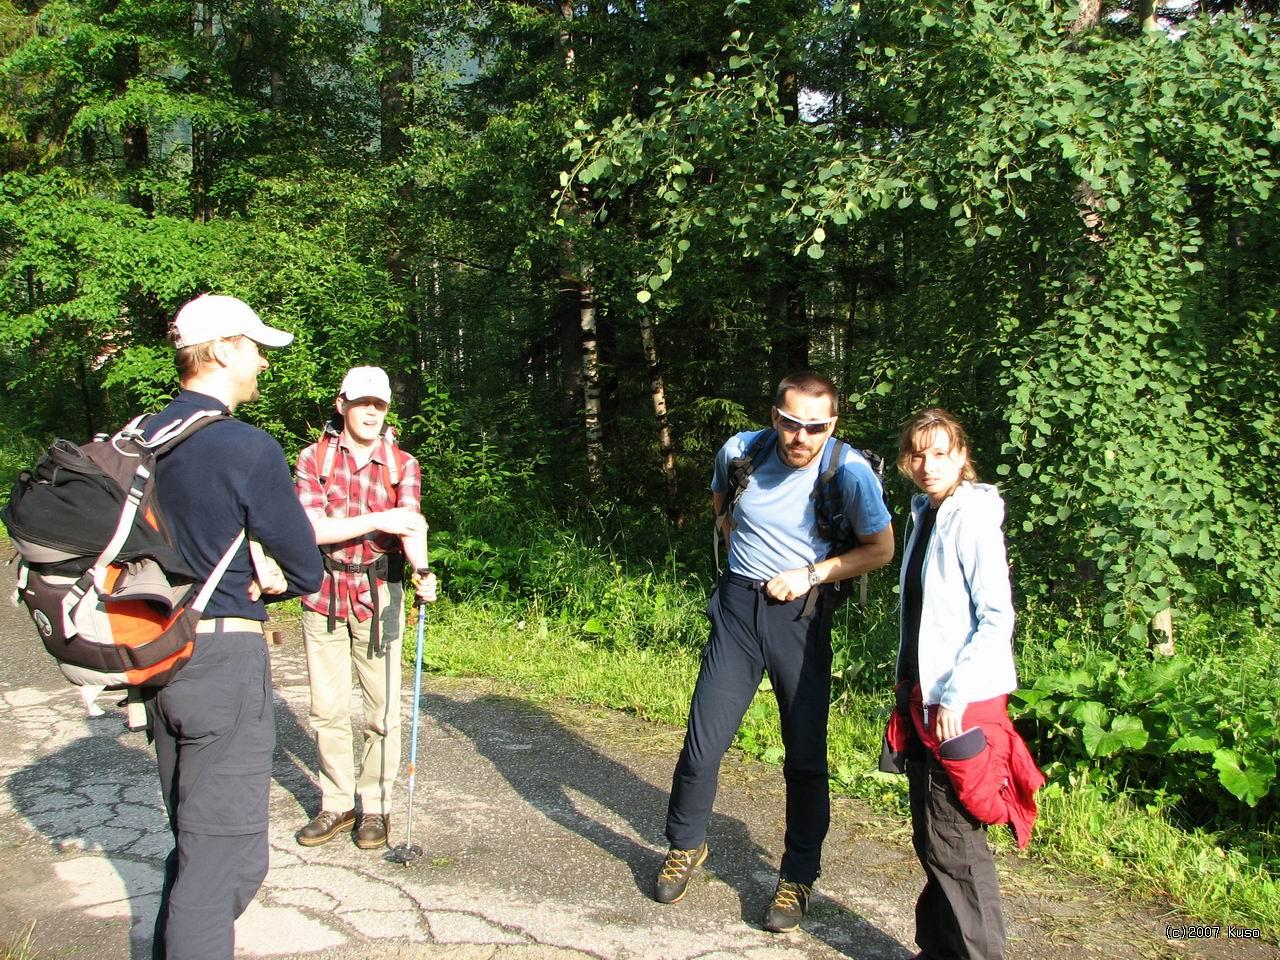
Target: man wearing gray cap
(213, 724)
(362, 493)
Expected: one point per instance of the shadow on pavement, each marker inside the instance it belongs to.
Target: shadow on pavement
(79, 798)
(561, 767)
(101, 794)
(295, 758)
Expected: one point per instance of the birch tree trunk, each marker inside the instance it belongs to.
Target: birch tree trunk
(591, 393)
(576, 278)
(277, 52)
(201, 137)
(789, 349)
(395, 74)
(1160, 626)
(658, 393)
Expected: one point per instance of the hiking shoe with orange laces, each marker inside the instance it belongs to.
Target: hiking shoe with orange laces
(673, 878)
(790, 903)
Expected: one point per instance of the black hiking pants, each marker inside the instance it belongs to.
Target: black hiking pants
(751, 634)
(958, 914)
(214, 731)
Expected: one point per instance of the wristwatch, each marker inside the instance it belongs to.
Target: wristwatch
(815, 577)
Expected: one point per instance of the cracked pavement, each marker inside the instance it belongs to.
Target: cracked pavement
(542, 829)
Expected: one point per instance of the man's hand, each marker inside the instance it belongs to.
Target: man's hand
(788, 585)
(424, 585)
(400, 522)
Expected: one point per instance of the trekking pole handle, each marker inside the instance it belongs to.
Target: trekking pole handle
(418, 598)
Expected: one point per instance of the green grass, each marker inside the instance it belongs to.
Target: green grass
(19, 945)
(1082, 831)
(17, 454)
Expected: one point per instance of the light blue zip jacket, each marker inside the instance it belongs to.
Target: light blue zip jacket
(966, 617)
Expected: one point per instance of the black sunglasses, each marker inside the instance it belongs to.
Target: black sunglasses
(811, 427)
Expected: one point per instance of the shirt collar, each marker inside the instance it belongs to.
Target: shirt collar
(201, 400)
(379, 450)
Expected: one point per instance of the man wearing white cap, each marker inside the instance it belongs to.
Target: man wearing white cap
(213, 724)
(362, 493)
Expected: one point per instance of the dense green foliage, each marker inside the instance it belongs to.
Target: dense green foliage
(1132, 339)
(586, 240)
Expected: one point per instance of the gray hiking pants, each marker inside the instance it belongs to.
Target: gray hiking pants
(214, 733)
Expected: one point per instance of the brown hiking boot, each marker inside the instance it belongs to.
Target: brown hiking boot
(673, 879)
(372, 832)
(790, 903)
(325, 827)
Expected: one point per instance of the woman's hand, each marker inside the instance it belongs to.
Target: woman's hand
(950, 723)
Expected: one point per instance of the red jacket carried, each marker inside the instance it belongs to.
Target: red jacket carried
(997, 784)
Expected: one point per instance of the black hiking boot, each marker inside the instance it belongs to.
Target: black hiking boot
(673, 879)
(790, 903)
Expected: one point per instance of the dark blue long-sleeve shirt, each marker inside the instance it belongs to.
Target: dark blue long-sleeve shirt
(225, 478)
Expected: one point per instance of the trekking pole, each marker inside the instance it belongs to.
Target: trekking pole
(407, 852)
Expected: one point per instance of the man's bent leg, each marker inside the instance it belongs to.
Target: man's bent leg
(329, 677)
(380, 685)
(727, 680)
(798, 657)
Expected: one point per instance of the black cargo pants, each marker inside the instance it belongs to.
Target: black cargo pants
(958, 914)
(751, 634)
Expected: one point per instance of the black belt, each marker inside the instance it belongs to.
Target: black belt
(333, 566)
(379, 569)
(754, 583)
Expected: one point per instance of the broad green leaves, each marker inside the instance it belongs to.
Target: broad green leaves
(1247, 779)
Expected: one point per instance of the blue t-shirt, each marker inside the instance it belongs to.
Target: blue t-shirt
(775, 527)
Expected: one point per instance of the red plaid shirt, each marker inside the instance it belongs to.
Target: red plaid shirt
(349, 492)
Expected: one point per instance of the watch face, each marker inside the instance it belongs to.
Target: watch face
(815, 578)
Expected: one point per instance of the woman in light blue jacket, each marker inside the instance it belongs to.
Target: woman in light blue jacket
(955, 653)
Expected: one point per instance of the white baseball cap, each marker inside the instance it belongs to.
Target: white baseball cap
(212, 317)
(366, 382)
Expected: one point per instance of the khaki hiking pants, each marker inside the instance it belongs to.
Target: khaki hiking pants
(330, 657)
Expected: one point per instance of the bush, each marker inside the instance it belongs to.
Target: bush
(1196, 731)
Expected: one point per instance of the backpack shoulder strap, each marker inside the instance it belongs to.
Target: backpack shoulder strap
(168, 437)
(739, 475)
(742, 467)
(832, 454)
(828, 507)
(325, 455)
(391, 466)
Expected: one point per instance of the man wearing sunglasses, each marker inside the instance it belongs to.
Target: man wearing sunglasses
(762, 621)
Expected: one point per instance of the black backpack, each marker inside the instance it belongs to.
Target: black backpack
(111, 597)
(828, 507)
